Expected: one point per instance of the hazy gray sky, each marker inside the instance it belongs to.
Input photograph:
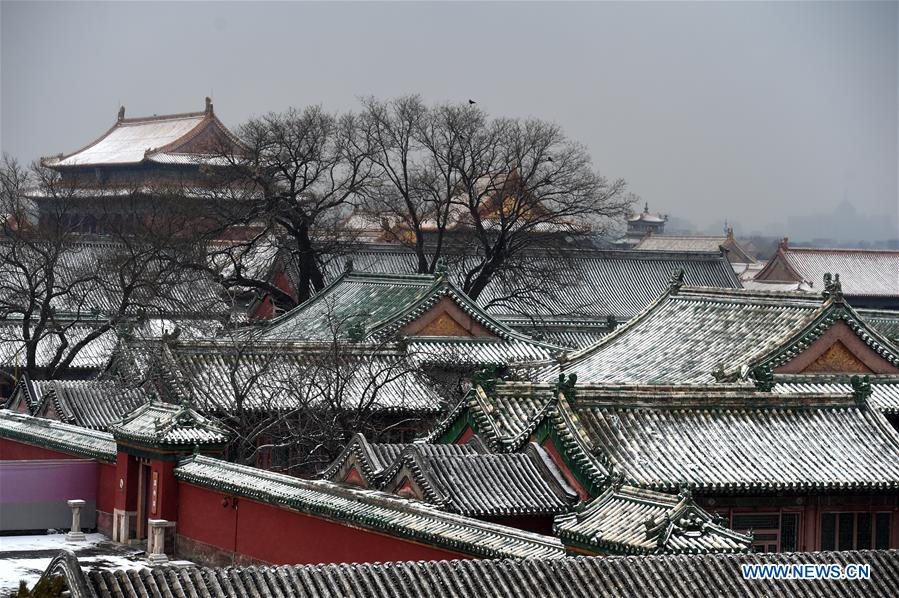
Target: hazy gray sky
(755, 112)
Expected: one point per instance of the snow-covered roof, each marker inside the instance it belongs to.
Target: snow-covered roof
(576, 577)
(710, 438)
(709, 243)
(57, 436)
(698, 335)
(158, 423)
(580, 282)
(629, 520)
(863, 272)
(88, 403)
(130, 140)
(164, 139)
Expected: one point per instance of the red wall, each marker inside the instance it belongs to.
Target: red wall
(281, 536)
(106, 487)
(166, 491)
(550, 447)
(10, 450)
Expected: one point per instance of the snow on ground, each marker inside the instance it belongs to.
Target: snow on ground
(26, 557)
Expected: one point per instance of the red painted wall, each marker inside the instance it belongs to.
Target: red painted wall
(550, 447)
(281, 536)
(106, 487)
(166, 490)
(127, 471)
(10, 450)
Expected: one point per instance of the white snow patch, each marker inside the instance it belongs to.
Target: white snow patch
(28, 568)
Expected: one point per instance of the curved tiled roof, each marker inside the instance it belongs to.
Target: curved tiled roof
(863, 272)
(718, 440)
(884, 389)
(93, 355)
(153, 138)
(163, 424)
(689, 334)
(885, 321)
(628, 520)
(129, 140)
(479, 484)
(57, 436)
(87, 403)
(666, 242)
(376, 306)
(278, 377)
(675, 576)
(176, 292)
(369, 509)
(378, 459)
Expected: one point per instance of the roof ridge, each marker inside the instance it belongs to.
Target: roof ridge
(841, 250)
(133, 120)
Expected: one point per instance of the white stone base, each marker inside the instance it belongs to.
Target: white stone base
(75, 537)
(157, 559)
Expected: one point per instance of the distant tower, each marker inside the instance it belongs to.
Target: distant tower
(643, 225)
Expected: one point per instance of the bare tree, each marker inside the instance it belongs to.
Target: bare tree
(296, 173)
(62, 291)
(290, 406)
(453, 181)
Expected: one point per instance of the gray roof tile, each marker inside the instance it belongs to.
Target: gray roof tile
(629, 520)
(587, 577)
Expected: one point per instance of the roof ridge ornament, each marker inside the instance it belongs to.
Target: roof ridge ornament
(441, 267)
(348, 265)
(763, 378)
(356, 332)
(676, 281)
(121, 116)
(487, 377)
(208, 109)
(832, 288)
(566, 387)
(861, 387)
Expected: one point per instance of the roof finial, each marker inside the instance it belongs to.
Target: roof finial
(356, 332)
(676, 281)
(646, 208)
(566, 387)
(441, 267)
(763, 378)
(208, 105)
(121, 113)
(861, 387)
(832, 287)
(783, 243)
